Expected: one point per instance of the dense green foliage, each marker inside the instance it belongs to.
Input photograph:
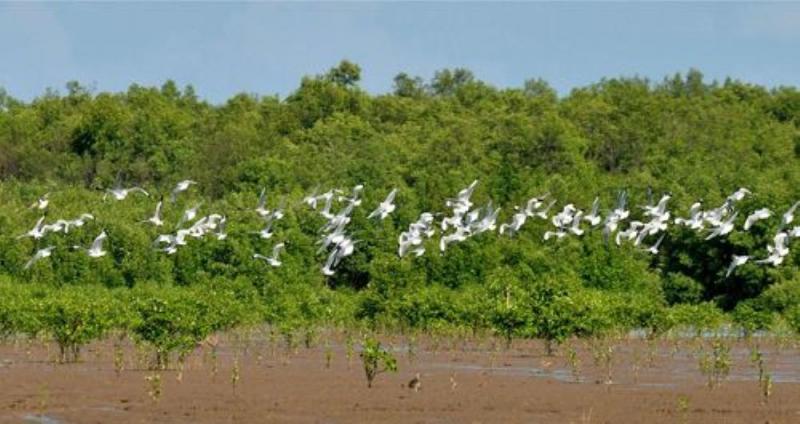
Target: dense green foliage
(428, 139)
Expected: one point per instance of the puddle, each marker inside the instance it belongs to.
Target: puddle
(556, 373)
(40, 419)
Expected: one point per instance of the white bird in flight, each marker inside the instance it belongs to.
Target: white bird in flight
(724, 228)
(593, 218)
(261, 209)
(189, 214)
(738, 260)
(40, 254)
(695, 219)
(156, 218)
(311, 199)
(654, 248)
(180, 188)
(96, 249)
(384, 208)
(41, 203)
(756, 216)
(788, 216)
(272, 260)
(122, 193)
(37, 231)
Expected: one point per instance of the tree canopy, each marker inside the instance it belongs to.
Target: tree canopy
(693, 138)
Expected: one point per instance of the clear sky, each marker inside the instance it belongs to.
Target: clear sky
(265, 48)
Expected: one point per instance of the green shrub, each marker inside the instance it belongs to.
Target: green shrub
(702, 316)
(21, 309)
(751, 317)
(376, 359)
(75, 316)
(175, 320)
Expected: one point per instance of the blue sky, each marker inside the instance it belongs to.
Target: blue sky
(265, 48)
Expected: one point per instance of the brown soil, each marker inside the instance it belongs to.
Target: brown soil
(460, 382)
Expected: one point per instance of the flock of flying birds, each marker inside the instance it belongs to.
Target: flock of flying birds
(462, 222)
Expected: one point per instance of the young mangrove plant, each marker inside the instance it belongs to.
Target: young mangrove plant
(154, 389)
(716, 363)
(574, 361)
(764, 377)
(376, 359)
(603, 355)
(349, 350)
(328, 354)
(235, 374)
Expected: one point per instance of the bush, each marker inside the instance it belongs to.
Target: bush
(781, 296)
(177, 319)
(376, 359)
(703, 316)
(75, 316)
(680, 288)
(751, 317)
(21, 309)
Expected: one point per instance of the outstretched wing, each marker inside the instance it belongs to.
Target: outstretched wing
(276, 250)
(97, 244)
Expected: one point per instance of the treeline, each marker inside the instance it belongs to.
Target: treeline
(693, 138)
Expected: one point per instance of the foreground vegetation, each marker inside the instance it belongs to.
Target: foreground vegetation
(428, 139)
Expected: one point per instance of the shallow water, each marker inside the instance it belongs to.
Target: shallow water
(40, 419)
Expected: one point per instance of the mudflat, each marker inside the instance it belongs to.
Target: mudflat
(619, 381)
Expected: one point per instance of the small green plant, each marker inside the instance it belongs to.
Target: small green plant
(119, 358)
(214, 362)
(376, 359)
(328, 354)
(636, 367)
(309, 337)
(235, 374)
(683, 408)
(412, 349)
(766, 388)
(574, 362)
(764, 377)
(652, 351)
(154, 389)
(349, 350)
(603, 355)
(716, 363)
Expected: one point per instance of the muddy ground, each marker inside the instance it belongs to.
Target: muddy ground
(461, 382)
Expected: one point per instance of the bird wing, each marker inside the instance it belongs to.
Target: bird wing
(276, 250)
(391, 196)
(660, 239)
(97, 244)
(731, 267)
(331, 259)
(140, 190)
(595, 207)
(32, 260)
(262, 199)
(375, 213)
